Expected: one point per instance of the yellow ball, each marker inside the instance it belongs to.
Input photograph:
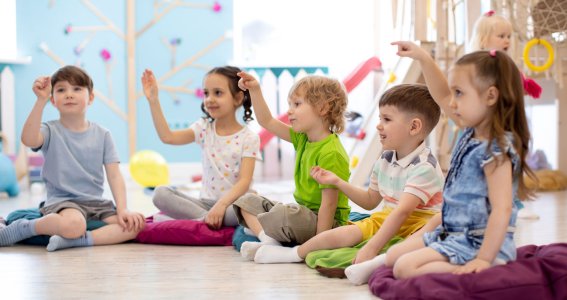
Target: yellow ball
(354, 162)
(149, 169)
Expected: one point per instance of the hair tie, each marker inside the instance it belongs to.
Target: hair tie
(492, 52)
(489, 13)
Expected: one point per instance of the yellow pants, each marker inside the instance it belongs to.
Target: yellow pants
(413, 223)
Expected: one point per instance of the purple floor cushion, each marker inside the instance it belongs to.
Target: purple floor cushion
(184, 232)
(540, 272)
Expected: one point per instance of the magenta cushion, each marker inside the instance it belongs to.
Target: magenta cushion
(540, 272)
(184, 232)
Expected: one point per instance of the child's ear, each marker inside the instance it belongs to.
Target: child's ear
(239, 98)
(416, 126)
(323, 109)
(492, 95)
(91, 97)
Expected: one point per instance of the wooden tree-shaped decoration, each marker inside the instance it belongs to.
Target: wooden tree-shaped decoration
(130, 35)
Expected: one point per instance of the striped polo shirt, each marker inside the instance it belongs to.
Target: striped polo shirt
(418, 173)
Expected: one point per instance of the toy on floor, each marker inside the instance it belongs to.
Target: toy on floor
(149, 169)
(8, 181)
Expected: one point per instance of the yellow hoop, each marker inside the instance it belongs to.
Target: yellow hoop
(526, 55)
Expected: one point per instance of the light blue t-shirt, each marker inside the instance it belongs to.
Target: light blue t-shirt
(74, 161)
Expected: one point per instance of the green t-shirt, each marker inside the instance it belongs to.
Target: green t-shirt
(328, 154)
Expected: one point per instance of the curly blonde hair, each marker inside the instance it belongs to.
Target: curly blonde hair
(324, 93)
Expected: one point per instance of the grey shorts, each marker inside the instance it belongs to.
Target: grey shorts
(91, 210)
(284, 222)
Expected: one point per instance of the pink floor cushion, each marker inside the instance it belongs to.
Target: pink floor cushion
(184, 232)
(540, 272)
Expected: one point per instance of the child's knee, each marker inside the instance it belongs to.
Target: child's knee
(402, 267)
(391, 256)
(161, 193)
(72, 228)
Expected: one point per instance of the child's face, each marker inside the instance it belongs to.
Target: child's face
(219, 101)
(393, 128)
(469, 107)
(499, 39)
(71, 99)
(302, 115)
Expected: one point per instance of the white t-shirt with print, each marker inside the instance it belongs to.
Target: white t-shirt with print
(222, 156)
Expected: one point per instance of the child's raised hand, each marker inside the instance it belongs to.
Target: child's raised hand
(409, 49)
(150, 85)
(247, 81)
(323, 176)
(42, 88)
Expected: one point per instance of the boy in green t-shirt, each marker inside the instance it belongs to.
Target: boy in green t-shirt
(316, 111)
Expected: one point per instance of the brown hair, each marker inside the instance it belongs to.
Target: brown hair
(230, 73)
(413, 99)
(74, 75)
(496, 68)
(322, 91)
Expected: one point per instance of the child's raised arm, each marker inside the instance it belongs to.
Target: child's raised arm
(261, 110)
(166, 135)
(31, 137)
(434, 77)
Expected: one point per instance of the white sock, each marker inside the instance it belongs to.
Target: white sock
(248, 249)
(267, 240)
(359, 273)
(526, 213)
(248, 231)
(270, 254)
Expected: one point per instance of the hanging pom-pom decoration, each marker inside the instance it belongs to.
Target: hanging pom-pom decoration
(532, 88)
(105, 54)
(175, 41)
(199, 93)
(217, 7)
(68, 29)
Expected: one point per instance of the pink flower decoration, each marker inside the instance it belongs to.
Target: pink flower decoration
(105, 54)
(78, 50)
(489, 13)
(199, 93)
(68, 29)
(217, 7)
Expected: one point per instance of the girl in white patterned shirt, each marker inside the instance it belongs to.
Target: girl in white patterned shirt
(229, 149)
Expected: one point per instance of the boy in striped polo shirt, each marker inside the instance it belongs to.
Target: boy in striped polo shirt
(406, 175)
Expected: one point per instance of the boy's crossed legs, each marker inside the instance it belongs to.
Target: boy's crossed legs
(67, 228)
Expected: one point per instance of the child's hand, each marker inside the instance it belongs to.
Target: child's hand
(247, 81)
(215, 216)
(323, 176)
(474, 266)
(364, 254)
(131, 221)
(150, 86)
(409, 49)
(42, 88)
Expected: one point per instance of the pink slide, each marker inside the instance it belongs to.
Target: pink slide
(350, 82)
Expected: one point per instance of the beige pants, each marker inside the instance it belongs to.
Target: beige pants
(283, 222)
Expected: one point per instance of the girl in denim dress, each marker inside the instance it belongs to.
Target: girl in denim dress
(484, 95)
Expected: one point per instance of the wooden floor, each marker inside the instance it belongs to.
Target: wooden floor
(180, 272)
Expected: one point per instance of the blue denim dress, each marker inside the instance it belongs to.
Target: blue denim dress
(465, 202)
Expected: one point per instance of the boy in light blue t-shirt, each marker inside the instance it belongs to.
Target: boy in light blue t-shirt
(75, 151)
